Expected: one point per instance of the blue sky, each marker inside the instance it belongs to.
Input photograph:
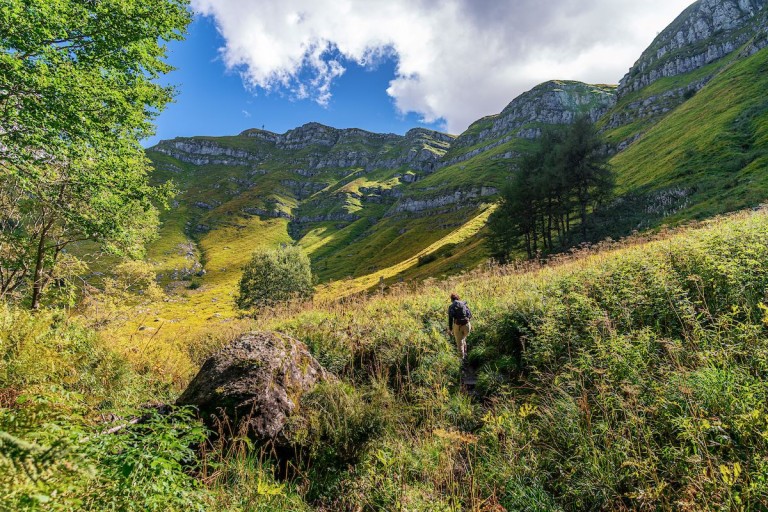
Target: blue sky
(212, 100)
(442, 65)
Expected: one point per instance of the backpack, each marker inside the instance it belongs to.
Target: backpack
(461, 312)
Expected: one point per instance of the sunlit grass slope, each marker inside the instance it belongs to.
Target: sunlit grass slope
(626, 377)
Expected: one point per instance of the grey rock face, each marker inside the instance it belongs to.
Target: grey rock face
(256, 382)
(337, 216)
(202, 152)
(332, 149)
(460, 196)
(273, 213)
(551, 103)
(705, 32)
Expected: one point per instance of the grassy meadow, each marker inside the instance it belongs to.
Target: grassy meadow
(630, 376)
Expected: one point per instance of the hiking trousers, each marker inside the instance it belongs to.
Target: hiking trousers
(460, 333)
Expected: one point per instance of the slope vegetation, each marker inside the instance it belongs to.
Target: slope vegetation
(633, 378)
(706, 157)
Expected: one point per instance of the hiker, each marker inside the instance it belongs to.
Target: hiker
(459, 316)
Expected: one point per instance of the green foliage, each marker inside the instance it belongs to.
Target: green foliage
(244, 479)
(56, 377)
(148, 466)
(336, 421)
(59, 362)
(631, 380)
(78, 90)
(274, 276)
(557, 184)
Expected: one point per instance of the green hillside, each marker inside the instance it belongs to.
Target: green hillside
(626, 373)
(359, 203)
(706, 157)
(409, 220)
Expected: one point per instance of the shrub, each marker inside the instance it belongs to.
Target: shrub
(274, 276)
(427, 258)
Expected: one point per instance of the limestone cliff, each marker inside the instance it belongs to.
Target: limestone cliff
(696, 45)
(315, 146)
(705, 32)
(551, 103)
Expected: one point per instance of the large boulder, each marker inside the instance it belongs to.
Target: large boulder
(256, 383)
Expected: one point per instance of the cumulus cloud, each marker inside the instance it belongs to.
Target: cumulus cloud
(457, 60)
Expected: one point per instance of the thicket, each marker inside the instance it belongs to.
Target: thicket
(58, 383)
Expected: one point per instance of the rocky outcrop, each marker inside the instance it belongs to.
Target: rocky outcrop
(263, 212)
(705, 32)
(256, 384)
(303, 189)
(328, 217)
(330, 148)
(473, 153)
(205, 152)
(551, 103)
(413, 205)
(654, 105)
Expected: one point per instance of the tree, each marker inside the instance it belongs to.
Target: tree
(513, 222)
(274, 276)
(564, 178)
(585, 168)
(78, 92)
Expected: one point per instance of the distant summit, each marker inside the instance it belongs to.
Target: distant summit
(705, 32)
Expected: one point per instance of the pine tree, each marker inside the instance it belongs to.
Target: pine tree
(562, 180)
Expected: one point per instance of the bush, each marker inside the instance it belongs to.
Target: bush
(274, 276)
(59, 384)
(427, 258)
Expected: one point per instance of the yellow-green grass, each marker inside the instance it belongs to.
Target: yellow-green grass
(361, 249)
(401, 268)
(166, 336)
(633, 358)
(170, 251)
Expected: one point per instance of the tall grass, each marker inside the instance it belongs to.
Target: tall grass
(626, 377)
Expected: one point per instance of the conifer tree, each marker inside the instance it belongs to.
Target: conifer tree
(560, 182)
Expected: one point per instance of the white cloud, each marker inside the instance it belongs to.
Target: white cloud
(458, 60)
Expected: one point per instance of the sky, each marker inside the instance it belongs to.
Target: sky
(391, 65)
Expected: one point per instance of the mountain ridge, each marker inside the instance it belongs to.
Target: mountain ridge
(360, 201)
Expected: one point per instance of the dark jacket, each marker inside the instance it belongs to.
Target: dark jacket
(454, 309)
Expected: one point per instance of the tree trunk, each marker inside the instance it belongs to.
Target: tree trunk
(528, 245)
(37, 284)
(39, 275)
(583, 204)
